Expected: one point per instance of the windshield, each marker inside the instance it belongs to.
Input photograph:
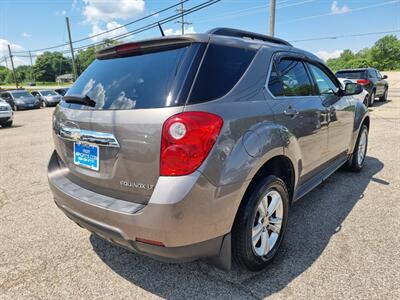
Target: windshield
(48, 93)
(134, 82)
(352, 74)
(21, 95)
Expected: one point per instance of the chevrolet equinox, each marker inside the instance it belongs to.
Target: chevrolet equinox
(195, 146)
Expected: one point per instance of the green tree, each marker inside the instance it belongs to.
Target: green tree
(3, 74)
(85, 58)
(385, 54)
(24, 73)
(51, 64)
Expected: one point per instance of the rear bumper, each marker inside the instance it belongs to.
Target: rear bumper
(192, 227)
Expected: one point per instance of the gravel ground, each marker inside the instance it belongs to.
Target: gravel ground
(343, 239)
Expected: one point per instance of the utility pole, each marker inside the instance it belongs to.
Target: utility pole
(12, 65)
(71, 48)
(182, 21)
(272, 7)
(32, 73)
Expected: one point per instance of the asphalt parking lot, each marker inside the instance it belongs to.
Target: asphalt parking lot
(343, 238)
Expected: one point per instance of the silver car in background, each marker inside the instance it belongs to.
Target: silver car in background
(47, 97)
(6, 114)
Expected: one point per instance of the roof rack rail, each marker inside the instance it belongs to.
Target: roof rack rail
(247, 34)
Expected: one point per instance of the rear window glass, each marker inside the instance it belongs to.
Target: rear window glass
(352, 74)
(134, 82)
(221, 69)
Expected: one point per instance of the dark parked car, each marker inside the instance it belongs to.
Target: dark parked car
(47, 97)
(62, 91)
(20, 99)
(371, 80)
(195, 146)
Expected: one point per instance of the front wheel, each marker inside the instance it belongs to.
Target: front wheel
(7, 124)
(383, 98)
(357, 159)
(44, 104)
(260, 224)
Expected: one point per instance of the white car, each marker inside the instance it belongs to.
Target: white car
(363, 96)
(6, 114)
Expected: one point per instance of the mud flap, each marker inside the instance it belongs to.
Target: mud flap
(224, 260)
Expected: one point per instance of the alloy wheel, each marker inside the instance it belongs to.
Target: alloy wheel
(362, 147)
(267, 223)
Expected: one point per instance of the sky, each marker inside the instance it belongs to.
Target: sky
(35, 24)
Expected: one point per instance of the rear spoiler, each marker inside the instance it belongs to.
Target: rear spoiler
(147, 46)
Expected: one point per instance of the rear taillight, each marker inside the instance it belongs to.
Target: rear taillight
(363, 81)
(187, 138)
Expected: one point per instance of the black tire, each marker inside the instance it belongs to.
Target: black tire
(366, 100)
(242, 247)
(383, 98)
(353, 164)
(14, 107)
(371, 98)
(7, 124)
(44, 104)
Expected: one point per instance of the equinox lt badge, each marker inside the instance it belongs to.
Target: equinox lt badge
(136, 185)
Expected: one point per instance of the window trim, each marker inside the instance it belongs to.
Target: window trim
(277, 56)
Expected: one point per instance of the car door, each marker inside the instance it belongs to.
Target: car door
(340, 111)
(299, 111)
(380, 84)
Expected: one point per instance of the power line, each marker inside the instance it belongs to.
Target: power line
(155, 24)
(143, 28)
(344, 36)
(338, 14)
(107, 31)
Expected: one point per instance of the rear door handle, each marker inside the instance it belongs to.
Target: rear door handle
(291, 112)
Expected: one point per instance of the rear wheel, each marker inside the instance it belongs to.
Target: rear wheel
(383, 98)
(356, 161)
(260, 224)
(372, 98)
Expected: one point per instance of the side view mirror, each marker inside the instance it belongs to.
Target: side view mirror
(352, 88)
(384, 77)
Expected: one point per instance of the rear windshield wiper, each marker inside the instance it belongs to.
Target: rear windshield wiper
(79, 100)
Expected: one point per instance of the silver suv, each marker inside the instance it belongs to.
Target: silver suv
(195, 146)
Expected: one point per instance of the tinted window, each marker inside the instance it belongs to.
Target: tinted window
(294, 78)
(21, 95)
(275, 84)
(352, 74)
(324, 83)
(372, 73)
(141, 81)
(221, 69)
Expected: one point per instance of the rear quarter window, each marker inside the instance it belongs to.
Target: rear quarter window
(219, 72)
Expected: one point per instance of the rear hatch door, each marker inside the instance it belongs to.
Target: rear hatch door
(112, 146)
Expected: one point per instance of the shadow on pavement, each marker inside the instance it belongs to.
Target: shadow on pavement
(379, 103)
(313, 221)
